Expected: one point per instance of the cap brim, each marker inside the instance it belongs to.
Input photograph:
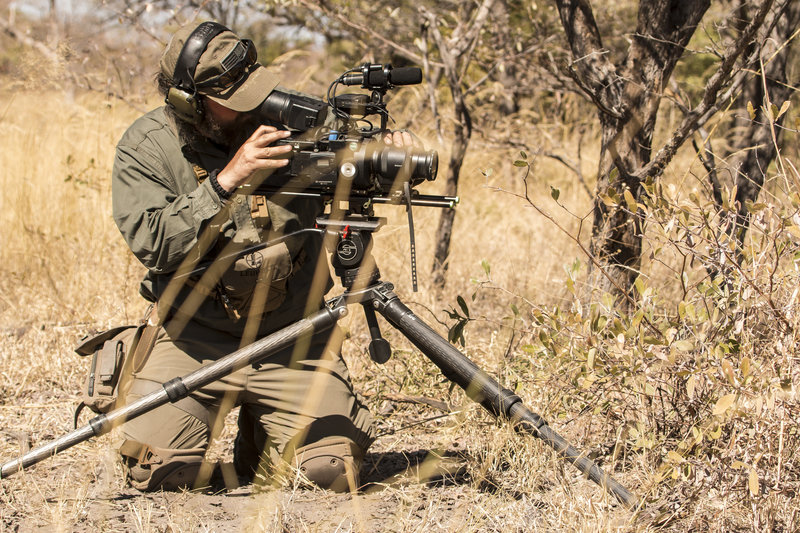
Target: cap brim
(248, 94)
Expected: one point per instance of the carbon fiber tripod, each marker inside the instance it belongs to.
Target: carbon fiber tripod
(351, 237)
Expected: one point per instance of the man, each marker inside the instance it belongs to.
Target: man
(177, 201)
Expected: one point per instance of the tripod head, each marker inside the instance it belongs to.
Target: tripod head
(351, 239)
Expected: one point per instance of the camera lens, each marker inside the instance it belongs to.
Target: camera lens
(424, 165)
(413, 165)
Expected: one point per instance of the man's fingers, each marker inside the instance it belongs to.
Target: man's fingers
(272, 161)
(399, 139)
(266, 135)
(261, 130)
(273, 151)
(405, 139)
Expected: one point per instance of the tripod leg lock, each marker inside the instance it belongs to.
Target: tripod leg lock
(379, 349)
(176, 389)
(100, 425)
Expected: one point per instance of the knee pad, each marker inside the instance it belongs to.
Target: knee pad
(151, 468)
(332, 463)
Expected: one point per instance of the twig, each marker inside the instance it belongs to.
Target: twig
(589, 255)
(362, 29)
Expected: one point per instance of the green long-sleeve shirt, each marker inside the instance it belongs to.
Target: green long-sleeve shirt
(173, 220)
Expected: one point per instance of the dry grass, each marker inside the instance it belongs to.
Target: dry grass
(64, 271)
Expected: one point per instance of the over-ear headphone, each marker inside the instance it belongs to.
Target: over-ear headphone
(182, 97)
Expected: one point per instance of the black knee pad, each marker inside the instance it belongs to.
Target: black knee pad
(332, 463)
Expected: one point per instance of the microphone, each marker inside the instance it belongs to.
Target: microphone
(376, 76)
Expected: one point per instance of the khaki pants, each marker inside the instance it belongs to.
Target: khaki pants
(297, 397)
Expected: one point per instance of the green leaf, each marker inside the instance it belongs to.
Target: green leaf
(555, 193)
(519, 163)
(674, 457)
(463, 304)
(784, 109)
(639, 285)
(456, 333)
(630, 200)
(683, 345)
(486, 267)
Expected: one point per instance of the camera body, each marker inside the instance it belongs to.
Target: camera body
(334, 144)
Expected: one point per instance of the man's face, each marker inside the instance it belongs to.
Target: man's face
(225, 126)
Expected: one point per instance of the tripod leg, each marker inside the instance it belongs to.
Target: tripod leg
(483, 389)
(379, 349)
(179, 388)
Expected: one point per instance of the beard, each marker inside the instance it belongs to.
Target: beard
(231, 134)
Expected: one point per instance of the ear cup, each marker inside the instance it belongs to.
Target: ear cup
(182, 96)
(187, 106)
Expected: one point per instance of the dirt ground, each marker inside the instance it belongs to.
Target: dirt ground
(426, 472)
(413, 489)
(440, 462)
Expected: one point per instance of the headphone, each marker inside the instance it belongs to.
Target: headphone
(182, 97)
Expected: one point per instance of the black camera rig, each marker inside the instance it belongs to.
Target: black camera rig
(335, 145)
(338, 153)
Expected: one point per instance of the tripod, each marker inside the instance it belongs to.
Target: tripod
(351, 238)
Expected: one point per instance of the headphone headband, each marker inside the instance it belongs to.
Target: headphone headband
(193, 48)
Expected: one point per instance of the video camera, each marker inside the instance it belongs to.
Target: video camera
(334, 144)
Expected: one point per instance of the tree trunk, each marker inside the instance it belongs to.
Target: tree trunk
(627, 97)
(753, 141)
(445, 229)
(456, 53)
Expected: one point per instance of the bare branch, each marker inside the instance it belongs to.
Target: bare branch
(592, 70)
(404, 51)
(712, 100)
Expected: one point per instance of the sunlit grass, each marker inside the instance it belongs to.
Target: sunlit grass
(65, 271)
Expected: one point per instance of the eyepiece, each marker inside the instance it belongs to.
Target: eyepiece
(293, 111)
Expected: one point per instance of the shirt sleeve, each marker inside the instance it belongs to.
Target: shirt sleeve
(162, 225)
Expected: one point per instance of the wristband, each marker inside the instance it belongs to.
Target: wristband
(222, 193)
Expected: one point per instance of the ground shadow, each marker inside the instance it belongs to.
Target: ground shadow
(433, 468)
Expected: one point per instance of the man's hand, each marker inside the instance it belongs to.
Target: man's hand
(399, 138)
(254, 155)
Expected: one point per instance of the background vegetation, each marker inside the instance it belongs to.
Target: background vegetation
(684, 385)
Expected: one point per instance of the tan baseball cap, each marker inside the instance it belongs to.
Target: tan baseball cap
(227, 71)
